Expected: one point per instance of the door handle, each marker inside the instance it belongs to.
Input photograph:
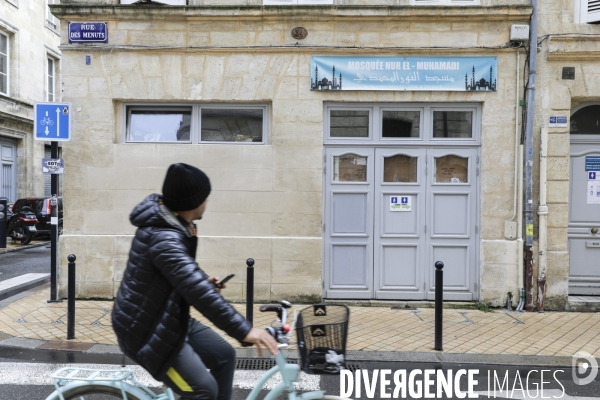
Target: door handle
(594, 230)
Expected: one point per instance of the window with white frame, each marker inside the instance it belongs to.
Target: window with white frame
(587, 11)
(50, 78)
(445, 2)
(204, 123)
(296, 2)
(4, 63)
(406, 123)
(51, 20)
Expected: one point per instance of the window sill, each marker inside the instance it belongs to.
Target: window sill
(55, 29)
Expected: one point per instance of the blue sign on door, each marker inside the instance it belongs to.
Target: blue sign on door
(88, 32)
(394, 200)
(404, 200)
(592, 163)
(52, 122)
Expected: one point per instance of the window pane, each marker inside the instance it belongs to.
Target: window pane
(159, 126)
(349, 168)
(232, 125)
(586, 121)
(401, 124)
(3, 44)
(400, 169)
(452, 124)
(451, 169)
(50, 67)
(347, 123)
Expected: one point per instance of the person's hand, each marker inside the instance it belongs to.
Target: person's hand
(214, 280)
(261, 337)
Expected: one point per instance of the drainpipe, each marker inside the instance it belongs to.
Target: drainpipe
(529, 156)
(518, 193)
(543, 217)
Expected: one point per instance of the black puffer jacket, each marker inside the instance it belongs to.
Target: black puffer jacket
(152, 308)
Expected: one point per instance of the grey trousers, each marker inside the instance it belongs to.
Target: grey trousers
(188, 375)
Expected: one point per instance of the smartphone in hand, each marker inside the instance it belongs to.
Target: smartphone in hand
(227, 278)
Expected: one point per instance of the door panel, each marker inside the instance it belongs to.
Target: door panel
(399, 239)
(451, 236)
(348, 226)
(391, 213)
(8, 169)
(583, 245)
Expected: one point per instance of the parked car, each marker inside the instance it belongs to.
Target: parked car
(42, 207)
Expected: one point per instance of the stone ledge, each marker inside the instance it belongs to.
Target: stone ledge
(300, 13)
(574, 47)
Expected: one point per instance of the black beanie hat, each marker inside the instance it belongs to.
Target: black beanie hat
(185, 187)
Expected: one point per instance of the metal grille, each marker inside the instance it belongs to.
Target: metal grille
(47, 177)
(568, 73)
(7, 175)
(264, 364)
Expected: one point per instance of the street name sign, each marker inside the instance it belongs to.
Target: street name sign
(52, 122)
(88, 32)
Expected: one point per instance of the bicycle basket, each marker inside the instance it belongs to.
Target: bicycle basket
(322, 331)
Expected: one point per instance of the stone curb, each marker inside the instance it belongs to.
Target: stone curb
(27, 246)
(352, 355)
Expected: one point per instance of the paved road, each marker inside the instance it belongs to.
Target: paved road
(22, 377)
(33, 260)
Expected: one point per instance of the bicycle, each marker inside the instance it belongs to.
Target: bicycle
(79, 383)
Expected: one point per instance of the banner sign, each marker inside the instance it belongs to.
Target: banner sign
(404, 73)
(88, 32)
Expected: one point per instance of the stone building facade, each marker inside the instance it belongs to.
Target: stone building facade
(30, 72)
(307, 186)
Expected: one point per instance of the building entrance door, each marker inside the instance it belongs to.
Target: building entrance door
(390, 213)
(584, 221)
(584, 202)
(8, 169)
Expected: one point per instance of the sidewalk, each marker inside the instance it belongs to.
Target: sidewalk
(34, 323)
(10, 247)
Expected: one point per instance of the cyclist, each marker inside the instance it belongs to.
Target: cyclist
(151, 314)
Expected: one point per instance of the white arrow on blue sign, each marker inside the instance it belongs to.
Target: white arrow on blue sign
(52, 122)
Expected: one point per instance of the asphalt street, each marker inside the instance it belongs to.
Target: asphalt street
(32, 260)
(24, 376)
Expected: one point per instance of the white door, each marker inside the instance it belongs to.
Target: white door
(391, 213)
(400, 213)
(348, 223)
(452, 223)
(584, 220)
(8, 169)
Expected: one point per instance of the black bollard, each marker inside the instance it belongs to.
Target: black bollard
(439, 304)
(71, 300)
(249, 290)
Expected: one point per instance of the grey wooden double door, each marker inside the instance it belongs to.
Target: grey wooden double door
(391, 213)
(584, 219)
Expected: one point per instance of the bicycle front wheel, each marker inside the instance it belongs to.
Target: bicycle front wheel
(95, 392)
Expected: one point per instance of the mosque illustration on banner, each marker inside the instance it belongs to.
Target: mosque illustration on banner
(481, 84)
(325, 84)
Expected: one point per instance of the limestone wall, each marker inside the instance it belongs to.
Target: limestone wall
(267, 201)
(29, 40)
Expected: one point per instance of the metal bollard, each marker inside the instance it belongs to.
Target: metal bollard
(439, 299)
(250, 290)
(71, 300)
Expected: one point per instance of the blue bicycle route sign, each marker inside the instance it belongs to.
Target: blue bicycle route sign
(52, 122)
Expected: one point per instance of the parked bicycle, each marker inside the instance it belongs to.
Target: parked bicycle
(321, 330)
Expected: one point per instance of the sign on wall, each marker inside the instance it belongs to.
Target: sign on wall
(593, 189)
(53, 166)
(404, 73)
(88, 32)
